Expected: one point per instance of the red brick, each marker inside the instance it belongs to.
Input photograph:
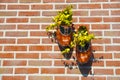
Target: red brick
(16, 34)
(42, 7)
(103, 71)
(1, 20)
(89, 6)
(8, 1)
(27, 55)
(28, 26)
(15, 48)
(111, 19)
(101, 41)
(18, 7)
(100, 26)
(29, 41)
(115, 26)
(66, 78)
(17, 20)
(30, 1)
(103, 55)
(49, 13)
(99, 13)
(98, 63)
(41, 20)
(62, 6)
(51, 56)
(47, 41)
(76, 1)
(58, 63)
(97, 48)
(73, 71)
(7, 41)
(26, 70)
(6, 70)
(2, 6)
(13, 78)
(6, 55)
(116, 40)
(14, 63)
(38, 33)
(117, 71)
(8, 13)
(80, 13)
(113, 63)
(1, 33)
(29, 13)
(40, 48)
(90, 19)
(117, 55)
(7, 27)
(112, 48)
(53, 1)
(111, 6)
(115, 12)
(40, 63)
(113, 78)
(114, 0)
(40, 78)
(112, 33)
(52, 70)
(97, 33)
(99, 0)
(93, 78)
(1, 48)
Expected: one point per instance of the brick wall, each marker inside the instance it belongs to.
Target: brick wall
(26, 52)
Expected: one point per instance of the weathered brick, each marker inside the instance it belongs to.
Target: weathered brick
(66, 78)
(7, 27)
(53, 1)
(2, 7)
(28, 26)
(112, 33)
(38, 33)
(14, 63)
(40, 63)
(51, 56)
(27, 55)
(80, 13)
(111, 5)
(18, 7)
(26, 70)
(2, 20)
(8, 1)
(117, 71)
(94, 78)
(89, 6)
(99, 13)
(30, 1)
(100, 26)
(17, 20)
(113, 78)
(41, 20)
(103, 71)
(112, 48)
(42, 7)
(8, 13)
(40, 78)
(76, 1)
(111, 19)
(16, 34)
(6, 70)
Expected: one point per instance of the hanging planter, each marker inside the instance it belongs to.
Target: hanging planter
(63, 28)
(83, 44)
